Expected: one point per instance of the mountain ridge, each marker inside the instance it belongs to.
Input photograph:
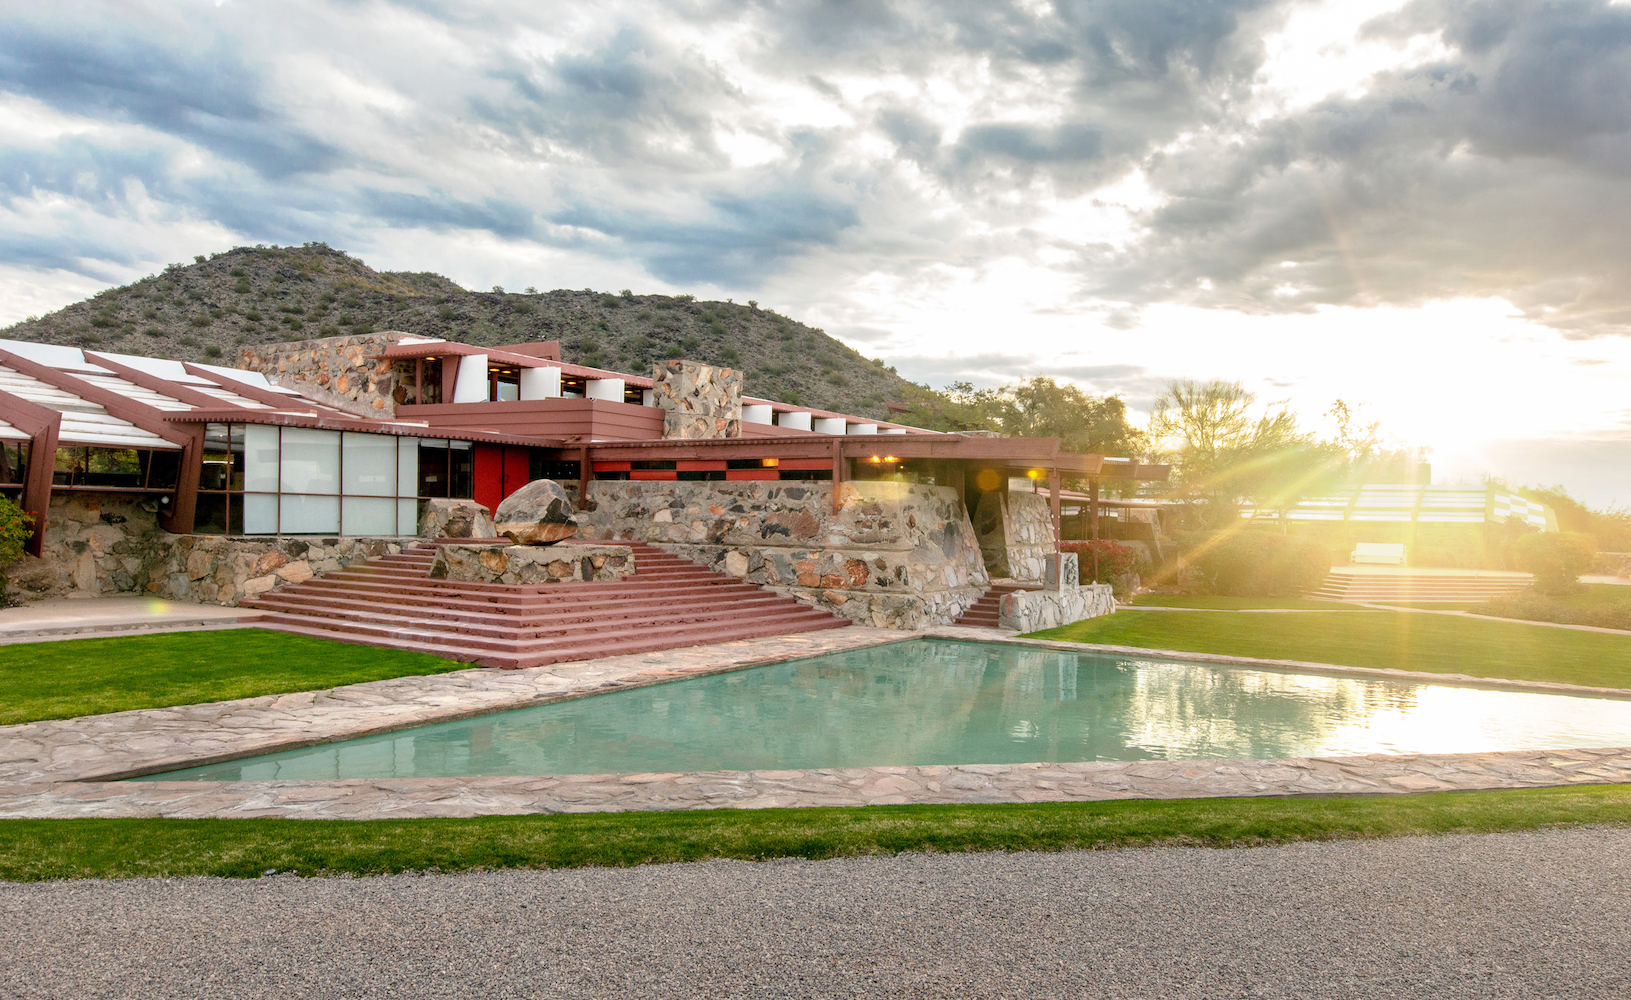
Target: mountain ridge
(208, 310)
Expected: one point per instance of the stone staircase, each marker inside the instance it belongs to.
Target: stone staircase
(1348, 583)
(666, 604)
(983, 613)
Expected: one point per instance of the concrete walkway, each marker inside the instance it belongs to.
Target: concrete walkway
(82, 618)
(1515, 915)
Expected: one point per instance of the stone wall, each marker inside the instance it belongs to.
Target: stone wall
(1030, 610)
(532, 564)
(1016, 534)
(337, 364)
(105, 544)
(896, 555)
(698, 400)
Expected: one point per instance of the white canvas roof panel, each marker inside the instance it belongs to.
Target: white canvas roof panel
(68, 359)
(83, 422)
(1422, 504)
(10, 433)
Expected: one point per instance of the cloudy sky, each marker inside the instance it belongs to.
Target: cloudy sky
(1423, 208)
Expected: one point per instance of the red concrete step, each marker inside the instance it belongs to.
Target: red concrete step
(668, 602)
(983, 613)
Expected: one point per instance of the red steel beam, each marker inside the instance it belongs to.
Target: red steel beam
(42, 424)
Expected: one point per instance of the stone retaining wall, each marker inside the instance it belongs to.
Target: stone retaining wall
(532, 564)
(103, 544)
(338, 364)
(698, 400)
(896, 555)
(1015, 533)
(1030, 610)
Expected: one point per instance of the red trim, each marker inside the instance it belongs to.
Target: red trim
(42, 424)
(613, 466)
(715, 465)
(653, 475)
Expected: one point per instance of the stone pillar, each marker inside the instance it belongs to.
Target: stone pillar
(698, 401)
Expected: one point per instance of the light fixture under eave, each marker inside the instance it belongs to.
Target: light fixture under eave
(890, 458)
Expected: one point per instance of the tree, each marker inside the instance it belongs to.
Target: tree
(1035, 407)
(1222, 455)
(1086, 425)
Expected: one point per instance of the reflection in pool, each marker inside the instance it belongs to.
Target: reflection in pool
(939, 702)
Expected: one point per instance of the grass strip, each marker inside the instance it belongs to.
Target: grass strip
(76, 677)
(32, 850)
(1398, 640)
(1209, 602)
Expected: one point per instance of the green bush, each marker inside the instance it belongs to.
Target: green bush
(1556, 558)
(15, 527)
(1531, 606)
(1260, 564)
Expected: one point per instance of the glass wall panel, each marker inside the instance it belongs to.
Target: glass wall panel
(311, 462)
(407, 517)
(260, 458)
(260, 513)
(309, 515)
(369, 463)
(368, 515)
(407, 467)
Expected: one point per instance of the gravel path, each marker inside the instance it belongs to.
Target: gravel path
(1510, 915)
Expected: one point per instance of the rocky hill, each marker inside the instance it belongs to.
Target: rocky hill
(206, 310)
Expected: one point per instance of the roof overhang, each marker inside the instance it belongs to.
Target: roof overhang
(359, 425)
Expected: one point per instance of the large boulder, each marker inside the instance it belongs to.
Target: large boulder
(456, 519)
(538, 513)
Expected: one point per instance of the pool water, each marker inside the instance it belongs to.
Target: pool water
(941, 702)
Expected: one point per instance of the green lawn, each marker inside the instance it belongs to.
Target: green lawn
(32, 850)
(63, 680)
(1399, 640)
(1210, 603)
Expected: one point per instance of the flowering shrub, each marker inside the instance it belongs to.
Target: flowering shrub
(1116, 561)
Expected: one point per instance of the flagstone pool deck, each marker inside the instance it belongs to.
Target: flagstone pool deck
(72, 767)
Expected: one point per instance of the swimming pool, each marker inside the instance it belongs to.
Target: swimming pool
(930, 701)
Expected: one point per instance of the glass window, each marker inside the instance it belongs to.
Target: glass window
(310, 463)
(309, 515)
(217, 471)
(368, 515)
(260, 458)
(260, 513)
(407, 467)
(13, 462)
(210, 516)
(432, 467)
(407, 517)
(461, 470)
(369, 461)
